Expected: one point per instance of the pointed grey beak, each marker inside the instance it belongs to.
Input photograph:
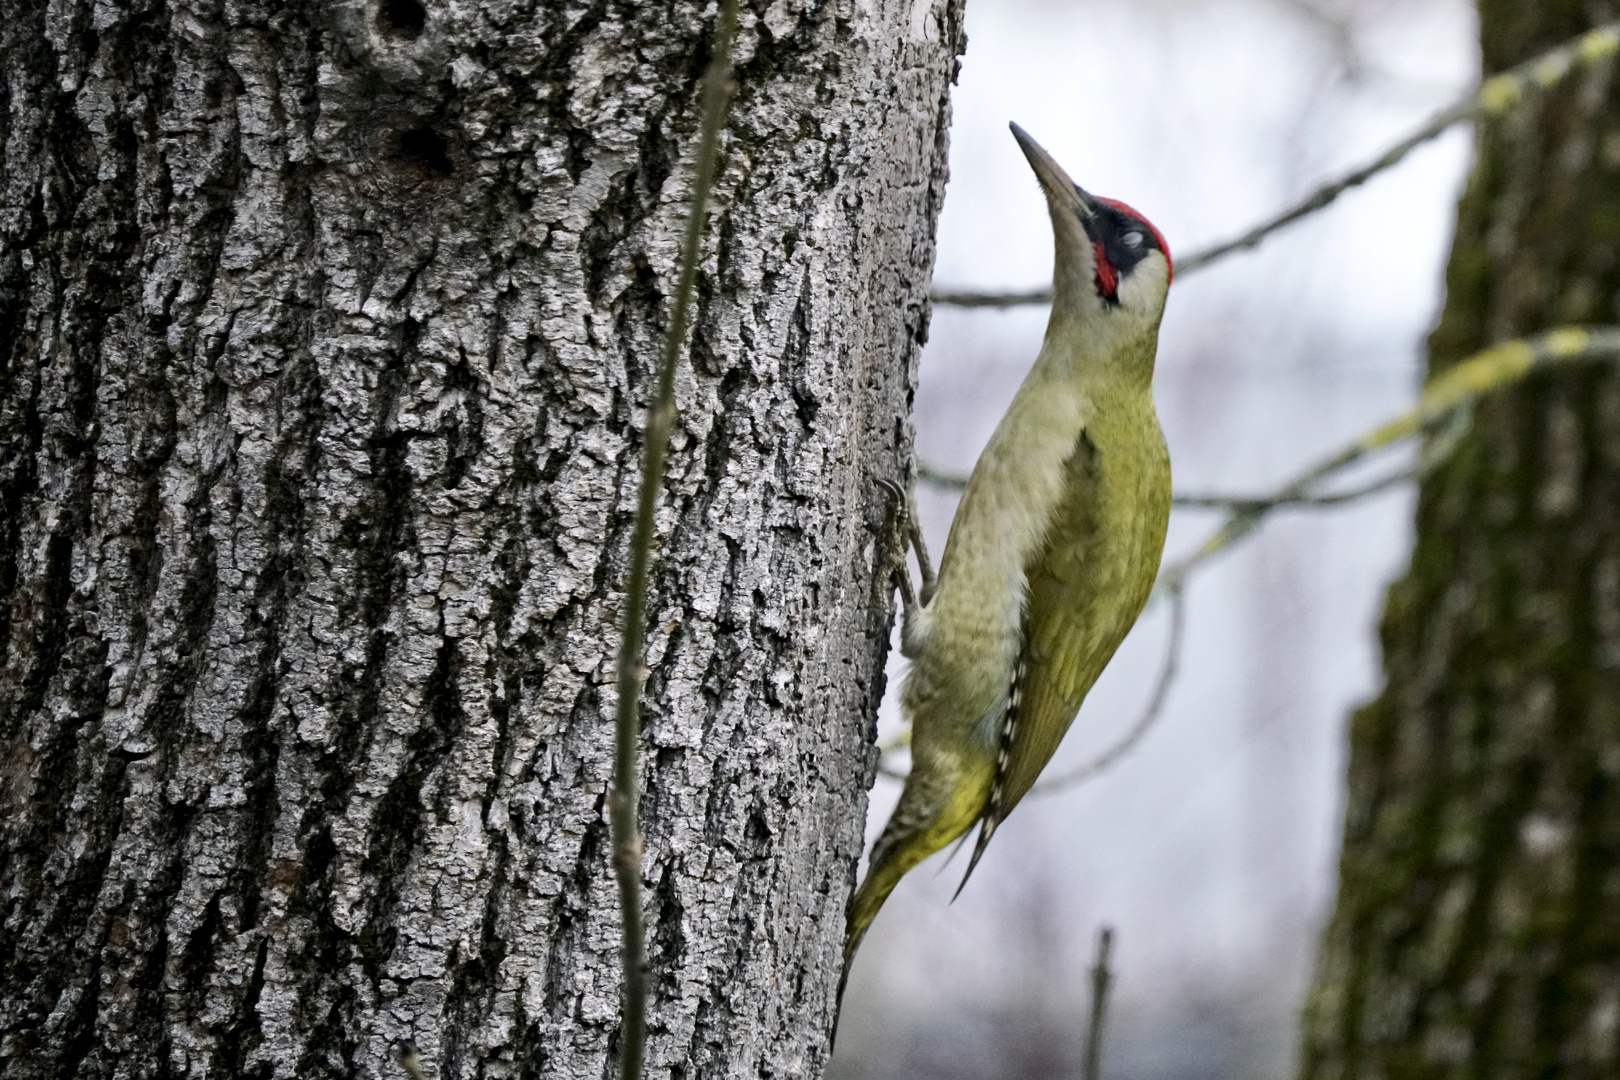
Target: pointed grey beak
(1059, 188)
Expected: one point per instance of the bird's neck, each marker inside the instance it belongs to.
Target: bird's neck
(1104, 351)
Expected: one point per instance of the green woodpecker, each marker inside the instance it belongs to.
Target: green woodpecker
(1053, 551)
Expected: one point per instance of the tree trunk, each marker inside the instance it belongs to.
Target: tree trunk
(326, 332)
(1477, 931)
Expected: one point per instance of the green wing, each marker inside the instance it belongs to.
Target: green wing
(1083, 592)
(1065, 584)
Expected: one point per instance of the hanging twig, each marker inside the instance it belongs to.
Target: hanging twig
(632, 669)
(1101, 981)
(1495, 96)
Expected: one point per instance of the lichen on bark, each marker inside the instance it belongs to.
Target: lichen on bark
(326, 330)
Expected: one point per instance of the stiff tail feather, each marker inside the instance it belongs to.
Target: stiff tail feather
(892, 858)
(881, 879)
(987, 829)
(924, 821)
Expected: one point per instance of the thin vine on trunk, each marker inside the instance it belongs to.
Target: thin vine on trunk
(632, 651)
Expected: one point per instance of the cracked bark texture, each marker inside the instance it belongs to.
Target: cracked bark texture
(326, 332)
(1477, 928)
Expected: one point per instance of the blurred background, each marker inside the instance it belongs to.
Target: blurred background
(1211, 848)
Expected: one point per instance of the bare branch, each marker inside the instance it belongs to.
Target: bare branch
(1453, 390)
(940, 478)
(946, 481)
(632, 670)
(1012, 298)
(1238, 503)
(1434, 451)
(1101, 980)
(1494, 97)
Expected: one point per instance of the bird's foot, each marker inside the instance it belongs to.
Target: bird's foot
(904, 532)
(897, 534)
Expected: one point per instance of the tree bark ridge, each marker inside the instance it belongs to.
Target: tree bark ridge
(325, 337)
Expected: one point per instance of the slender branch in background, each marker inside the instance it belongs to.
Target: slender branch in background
(939, 478)
(1453, 390)
(1495, 96)
(1011, 298)
(1150, 715)
(1101, 981)
(1238, 503)
(632, 669)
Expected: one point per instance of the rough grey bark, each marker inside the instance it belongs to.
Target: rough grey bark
(326, 329)
(1477, 928)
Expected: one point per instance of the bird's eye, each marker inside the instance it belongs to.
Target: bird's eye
(1133, 239)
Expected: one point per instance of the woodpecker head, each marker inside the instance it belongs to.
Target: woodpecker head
(1110, 260)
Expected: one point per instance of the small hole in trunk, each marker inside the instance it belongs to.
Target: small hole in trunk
(426, 148)
(405, 18)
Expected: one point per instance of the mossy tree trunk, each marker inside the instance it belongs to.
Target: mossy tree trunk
(1477, 928)
(326, 332)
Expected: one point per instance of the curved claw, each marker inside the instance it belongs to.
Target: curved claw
(907, 532)
(900, 523)
(906, 512)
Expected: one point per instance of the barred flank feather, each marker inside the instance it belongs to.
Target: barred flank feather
(1009, 725)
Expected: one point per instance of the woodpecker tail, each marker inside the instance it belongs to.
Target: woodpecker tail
(888, 866)
(881, 878)
(987, 829)
(937, 806)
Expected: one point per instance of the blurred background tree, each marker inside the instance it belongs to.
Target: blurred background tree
(1477, 927)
